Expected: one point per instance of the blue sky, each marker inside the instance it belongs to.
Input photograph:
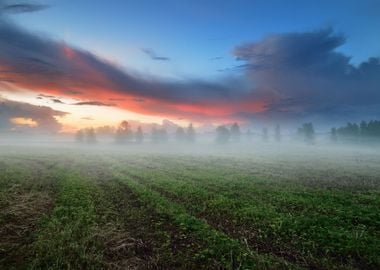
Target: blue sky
(193, 32)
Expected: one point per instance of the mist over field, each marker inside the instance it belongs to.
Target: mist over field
(172, 134)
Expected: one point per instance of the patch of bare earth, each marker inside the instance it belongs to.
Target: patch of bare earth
(21, 211)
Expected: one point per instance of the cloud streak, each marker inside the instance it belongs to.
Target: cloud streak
(94, 103)
(152, 54)
(21, 7)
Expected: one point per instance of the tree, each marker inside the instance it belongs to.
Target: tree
(278, 133)
(333, 135)
(265, 134)
(190, 133)
(139, 135)
(222, 135)
(307, 132)
(363, 128)
(235, 132)
(90, 135)
(180, 134)
(159, 135)
(123, 133)
(249, 135)
(79, 136)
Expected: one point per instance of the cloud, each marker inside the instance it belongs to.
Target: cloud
(87, 118)
(303, 74)
(21, 7)
(42, 117)
(93, 103)
(152, 54)
(46, 96)
(56, 100)
(289, 75)
(41, 64)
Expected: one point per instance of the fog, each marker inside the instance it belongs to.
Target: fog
(248, 144)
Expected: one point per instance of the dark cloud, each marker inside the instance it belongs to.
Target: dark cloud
(43, 116)
(87, 118)
(304, 74)
(56, 100)
(93, 103)
(20, 7)
(152, 54)
(46, 96)
(62, 67)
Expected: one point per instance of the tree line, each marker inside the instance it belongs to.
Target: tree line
(124, 134)
(230, 133)
(363, 131)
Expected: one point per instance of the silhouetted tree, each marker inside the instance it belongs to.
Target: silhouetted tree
(222, 135)
(123, 133)
(190, 133)
(235, 132)
(265, 134)
(278, 133)
(180, 134)
(249, 135)
(105, 130)
(333, 135)
(79, 136)
(365, 130)
(139, 135)
(159, 135)
(90, 135)
(307, 132)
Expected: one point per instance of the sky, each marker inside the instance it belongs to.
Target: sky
(65, 65)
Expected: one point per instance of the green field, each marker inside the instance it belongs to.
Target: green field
(259, 208)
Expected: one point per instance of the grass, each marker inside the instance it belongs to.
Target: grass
(267, 210)
(66, 239)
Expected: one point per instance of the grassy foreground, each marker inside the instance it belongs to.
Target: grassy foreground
(116, 210)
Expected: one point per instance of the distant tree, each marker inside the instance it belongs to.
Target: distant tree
(307, 132)
(363, 128)
(249, 135)
(265, 134)
(364, 131)
(277, 132)
(79, 136)
(180, 134)
(90, 135)
(105, 130)
(333, 135)
(139, 135)
(159, 135)
(222, 135)
(235, 132)
(190, 133)
(123, 133)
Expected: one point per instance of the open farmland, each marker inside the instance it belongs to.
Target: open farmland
(225, 208)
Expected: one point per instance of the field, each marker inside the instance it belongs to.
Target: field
(268, 207)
